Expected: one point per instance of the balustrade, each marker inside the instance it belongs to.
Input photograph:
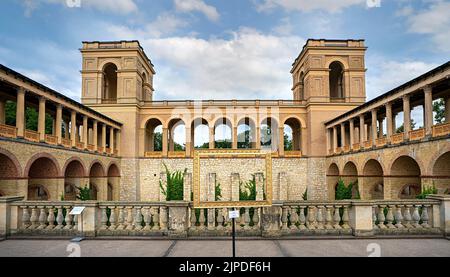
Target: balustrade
(441, 130)
(31, 135)
(417, 134)
(50, 139)
(8, 131)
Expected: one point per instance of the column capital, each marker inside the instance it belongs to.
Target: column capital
(427, 88)
(42, 99)
(21, 90)
(406, 97)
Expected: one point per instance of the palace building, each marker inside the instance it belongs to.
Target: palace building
(119, 141)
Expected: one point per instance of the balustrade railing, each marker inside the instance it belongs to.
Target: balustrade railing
(397, 138)
(153, 154)
(381, 141)
(8, 131)
(441, 129)
(32, 135)
(356, 146)
(417, 134)
(293, 153)
(50, 139)
(66, 142)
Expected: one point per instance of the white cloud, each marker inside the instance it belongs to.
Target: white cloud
(197, 6)
(246, 65)
(433, 21)
(114, 6)
(307, 5)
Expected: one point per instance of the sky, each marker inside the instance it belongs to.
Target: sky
(215, 49)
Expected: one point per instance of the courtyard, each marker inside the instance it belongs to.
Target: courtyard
(423, 247)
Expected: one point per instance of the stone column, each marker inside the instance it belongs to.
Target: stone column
(374, 127)
(389, 121)
(234, 186)
(361, 129)
(447, 109)
(73, 129)
(328, 140)
(428, 110)
(171, 141)
(118, 142)
(111, 139)
(104, 137)
(259, 181)
(335, 140)
(258, 137)
(380, 127)
(361, 218)
(189, 142)
(281, 141)
(234, 138)
(2, 111)
(352, 130)
(20, 112)
(165, 141)
(85, 132)
(343, 142)
(41, 119)
(58, 123)
(211, 138)
(406, 116)
(95, 134)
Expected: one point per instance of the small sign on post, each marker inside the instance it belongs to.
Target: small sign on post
(233, 214)
(78, 211)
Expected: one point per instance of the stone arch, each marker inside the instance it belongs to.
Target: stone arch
(97, 169)
(246, 136)
(269, 141)
(372, 181)
(113, 182)
(342, 61)
(377, 159)
(113, 170)
(332, 179)
(18, 168)
(74, 174)
(43, 174)
(350, 176)
(441, 173)
(405, 172)
(336, 80)
(226, 142)
(150, 117)
(33, 159)
(295, 136)
(9, 174)
(434, 158)
(195, 123)
(109, 81)
(152, 141)
(71, 162)
(406, 153)
(173, 124)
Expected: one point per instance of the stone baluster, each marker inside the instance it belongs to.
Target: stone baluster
(163, 218)
(416, 217)
(137, 222)
(241, 224)
(390, 217)
(293, 218)
(255, 218)
(311, 218)
(407, 218)
(42, 218)
(112, 218)
(120, 218)
(50, 218)
(337, 217)
(247, 218)
(211, 219)
(320, 217)
(398, 217)
(219, 219)
(155, 218)
(68, 219)
(25, 217)
(284, 218)
(424, 216)
(60, 218)
(147, 219)
(201, 219)
(193, 219)
(374, 217)
(381, 218)
(328, 218)
(34, 218)
(75, 222)
(302, 218)
(345, 218)
(103, 219)
(228, 219)
(129, 218)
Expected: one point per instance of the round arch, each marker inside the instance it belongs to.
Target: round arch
(173, 124)
(405, 178)
(292, 139)
(339, 60)
(70, 164)
(38, 156)
(441, 173)
(332, 179)
(246, 132)
(372, 182)
(152, 141)
(18, 168)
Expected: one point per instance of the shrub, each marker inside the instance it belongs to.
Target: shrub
(84, 194)
(174, 187)
(342, 191)
(426, 191)
(247, 190)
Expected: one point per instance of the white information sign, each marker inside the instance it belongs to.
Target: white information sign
(233, 214)
(76, 210)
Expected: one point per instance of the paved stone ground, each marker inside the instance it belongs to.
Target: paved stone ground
(222, 248)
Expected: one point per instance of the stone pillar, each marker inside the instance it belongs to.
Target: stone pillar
(335, 140)
(6, 213)
(258, 137)
(189, 142)
(343, 142)
(328, 140)
(211, 137)
(234, 140)
(104, 137)
(259, 181)
(361, 218)
(171, 140)
(165, 141)
(361, 129)
(41, 119)
(234, 186)
(85, 132)
(428, 110)
(73, 129)
(447, 109)
(406, 116)
(389, 121)
(89, 219)
(2, 111)
(178, 220)
(58, 122)
(352, 135)
(374, 126)
(304, 141)
(111, 139)
(282, 186)
(187, 187)
(20, 112)
(66, 129)
(281, 141)
(211, 193)
(380, 127)
(95, 134)
(118, 142)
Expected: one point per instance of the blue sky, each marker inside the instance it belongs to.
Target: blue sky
(211, 49)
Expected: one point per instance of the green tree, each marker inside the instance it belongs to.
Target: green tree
(401, 129)
(244, 139)
(84, 193)
(287, 143)
(157, 141)
(31, 117)
(439, 110)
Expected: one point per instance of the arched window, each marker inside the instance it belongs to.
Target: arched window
(336, 79)
(110, 83)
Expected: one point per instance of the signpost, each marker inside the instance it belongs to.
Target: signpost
(233, 215)
(78, 211)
